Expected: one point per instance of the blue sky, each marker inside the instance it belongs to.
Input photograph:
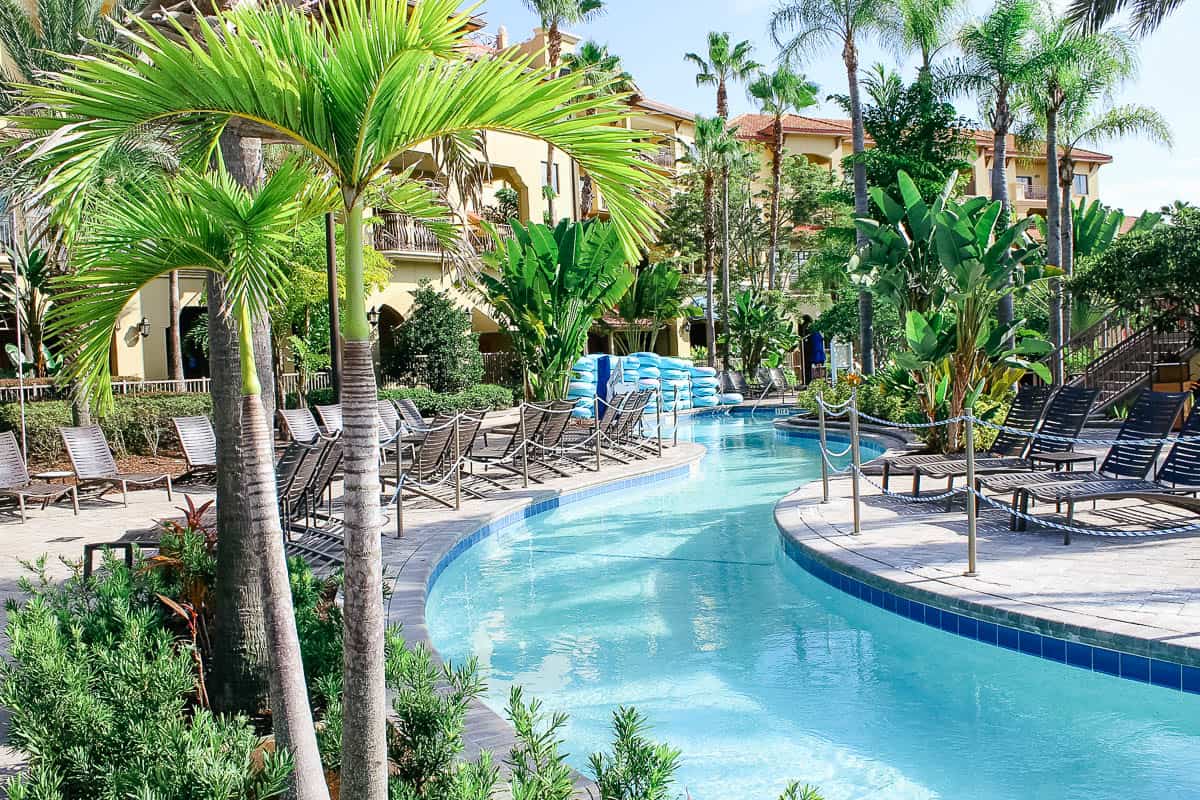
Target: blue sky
(651, 37)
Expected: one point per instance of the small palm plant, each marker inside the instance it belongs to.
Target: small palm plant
(550, 285)
(209, 223)
(28, 291)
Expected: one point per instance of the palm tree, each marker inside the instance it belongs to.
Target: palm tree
(708, 157)
(803, 27)
(722, 63)
(554, 14)
(779, 93)
(925, 26)
(1001, 53)
(1101, 62)
(211, 224)
(605, 74)
(377, 79)
(1145, 15)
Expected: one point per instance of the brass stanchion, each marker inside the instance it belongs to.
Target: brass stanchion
(972, 508)
(658, 419)
(524, 452)
(824, 447)
(855, 460)
(457, 463)
(596, 415)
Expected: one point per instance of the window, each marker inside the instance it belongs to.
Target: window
(1079, 184)
(554, 185)
(1025, 180)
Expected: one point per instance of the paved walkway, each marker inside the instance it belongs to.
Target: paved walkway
(1139, 596)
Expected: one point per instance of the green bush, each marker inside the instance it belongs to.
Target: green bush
(874, 398)
(103, 700)
(483, 395)
(138, 424)
(434, 346)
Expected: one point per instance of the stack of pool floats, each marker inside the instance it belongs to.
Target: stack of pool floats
(682, 385)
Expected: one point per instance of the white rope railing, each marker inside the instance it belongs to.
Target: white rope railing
(972, 489)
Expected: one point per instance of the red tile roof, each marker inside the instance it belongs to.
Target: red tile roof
(757, 127)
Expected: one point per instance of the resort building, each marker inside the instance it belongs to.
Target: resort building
(515, 169)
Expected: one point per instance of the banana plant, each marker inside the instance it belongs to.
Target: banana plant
(759, 329)
(549, 286)
(956, 351)
(656, 297)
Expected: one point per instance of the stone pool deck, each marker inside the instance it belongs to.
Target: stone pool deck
(1129, 607)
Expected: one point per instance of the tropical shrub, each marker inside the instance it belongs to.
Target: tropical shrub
(655, 298)
(759, 329)
(947, 266)
(434, 346)
(103, 699)
(550, 285)
(1152, 275)
(481, 396)
(637, 768)
(138, 424)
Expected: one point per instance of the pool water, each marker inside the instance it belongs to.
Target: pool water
(676, 598)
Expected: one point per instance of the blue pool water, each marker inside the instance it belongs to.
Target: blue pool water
(677, 599)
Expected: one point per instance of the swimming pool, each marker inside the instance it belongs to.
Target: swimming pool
(677, 598)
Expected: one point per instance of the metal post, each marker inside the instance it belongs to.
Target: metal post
(524, 451)
(972, 509)
(399, 502)
(596, 415)
(855, 459)
(658, 420)
(824, 447)
(457, 463)
(675, 416)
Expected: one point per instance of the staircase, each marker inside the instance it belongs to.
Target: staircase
(1127, 359)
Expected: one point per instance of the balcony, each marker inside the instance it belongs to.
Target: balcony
(8, 238)
(1033, 192)
(663, 157)
(400, 233)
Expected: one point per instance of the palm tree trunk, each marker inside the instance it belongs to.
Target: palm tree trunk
(364, 746)
(722, 100)
(710, 329)
(240, 660)
(1004, 311)
(176, 339)
(725, 267)
(776, 173)
(291, 716)
(1054, 246)
(866, 307)
(1067, 239)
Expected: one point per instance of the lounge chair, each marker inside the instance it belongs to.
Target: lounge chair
(94, 465)
(389, 418)
(411, 414)
(734, 382)
(331, 417)
(199, 444)
(294, 474)
(610, 418)
(420, 470)
(300, 424)
(1024, 415)
(1177, 478)
(15, 482)
(508, 455)
(772, 381)
(1132, 455)
(1065, 417)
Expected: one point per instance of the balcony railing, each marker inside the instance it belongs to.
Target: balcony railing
(8, 237)
(1033, 192)
(663, 157)
(400, 233)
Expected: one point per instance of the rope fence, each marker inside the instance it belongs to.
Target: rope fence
(973, 488)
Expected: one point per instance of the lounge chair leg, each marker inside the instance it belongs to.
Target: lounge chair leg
(169, 488)
(887, 472)
(75, 500)
(917, 482)
(124, 494)
(21, 504)
(1012, 518)
(1070, 520)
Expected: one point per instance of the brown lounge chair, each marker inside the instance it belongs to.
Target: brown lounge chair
(199, 444)
(300, 424)
(94, 465)
(15, 482)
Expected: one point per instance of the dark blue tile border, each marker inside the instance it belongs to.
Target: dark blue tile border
(542, 506)
(1157, 672)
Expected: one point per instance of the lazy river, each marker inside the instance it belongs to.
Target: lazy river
(677, 598)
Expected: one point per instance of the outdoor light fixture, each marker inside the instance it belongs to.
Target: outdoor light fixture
(373, 317)
(144, 328)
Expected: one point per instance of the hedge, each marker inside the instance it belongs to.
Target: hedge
(483, 395)
(139, 424)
